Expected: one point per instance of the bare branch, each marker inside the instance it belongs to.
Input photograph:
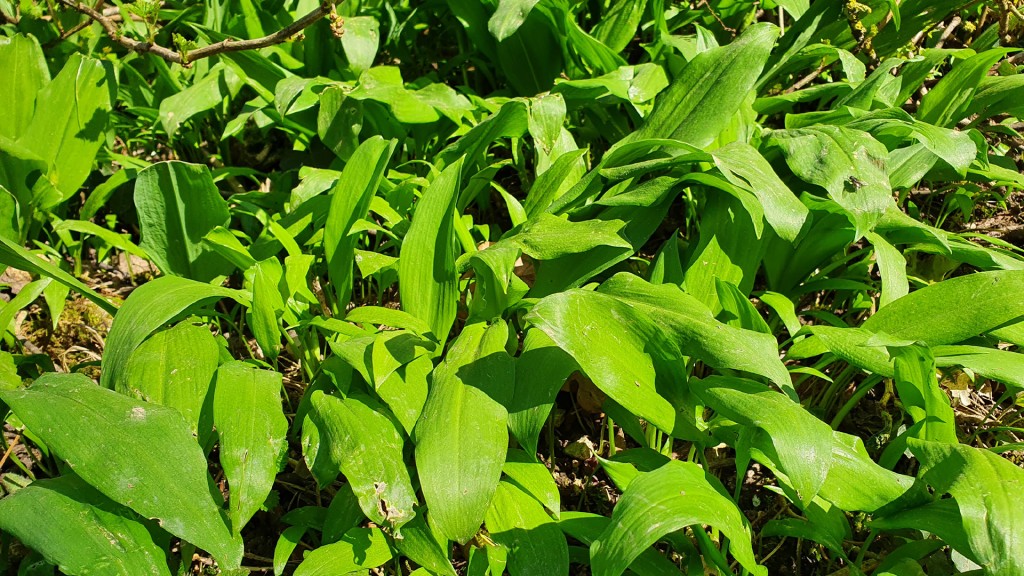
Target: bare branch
(230, 45)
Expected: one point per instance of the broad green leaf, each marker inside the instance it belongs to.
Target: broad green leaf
(462, 436)
(701, 101)
(744, 166)
(420, 545)
(149, 307)
(25, 69)
(587, 528)
(940, 316)
(803, 443)
(1002, 365)
(82, 532)
(205, 94)
(350, 201)
(688, 326)
(854, 346)
(360, 41)
(729, 247)
(267, 305)
(286, 544)
(677, 495)
(948, 101)
(15, 256)
(920, 394)
(358, 549)
(517, 521)
(509, 16)
(541, 370)
(854, 481)
(384, 84)
(367, 445)
(547, 237)
(138, 454)
(339, 121)
(70, 120)
(342, 515)
(510, 121)
(848, 163)
(426, 267)
(531, 57)
(608, 340)
(175, 368)
(618, 25)
(534, 477)
(892, 267)
(737, 310)
(252, 428)
(987, 490)
(178, 204)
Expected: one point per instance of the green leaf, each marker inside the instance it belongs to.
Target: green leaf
(426, 267)
(24, 67)
(252, 428)
(587, 528)
(80, 530)
(360, 41)
(509, 16)
(350, 202)
(15, 256)
(267, 305)
(744, 166)
(70, 121)
(920, 394)
(618, 25)
(517, 521)
(533, 477)
(420, 545)
(1004, 366)
(462, 437)
(367, 445)
(892, 267)
(205, 94)
(120, 241)
(938, 322)
(987, 489)
(541, 370)
(359, 548)
(531, 57)
(608, 339)
(286, 544)
(138, 454)
(688, 326)
(848, 163)
(803, 443)
(178, 204)
(677, 495)
(948, 101)
(701, 101)
(175, 368)
(149, 307)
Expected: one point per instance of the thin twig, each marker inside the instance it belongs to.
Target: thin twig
(707, 5)
(807, 79)
(948, 32)
(228, 45)
(10, 449)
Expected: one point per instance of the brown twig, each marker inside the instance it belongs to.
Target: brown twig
(948, 32)
(228, 45)
(807, 79)
(707, 5)
(10, 449)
